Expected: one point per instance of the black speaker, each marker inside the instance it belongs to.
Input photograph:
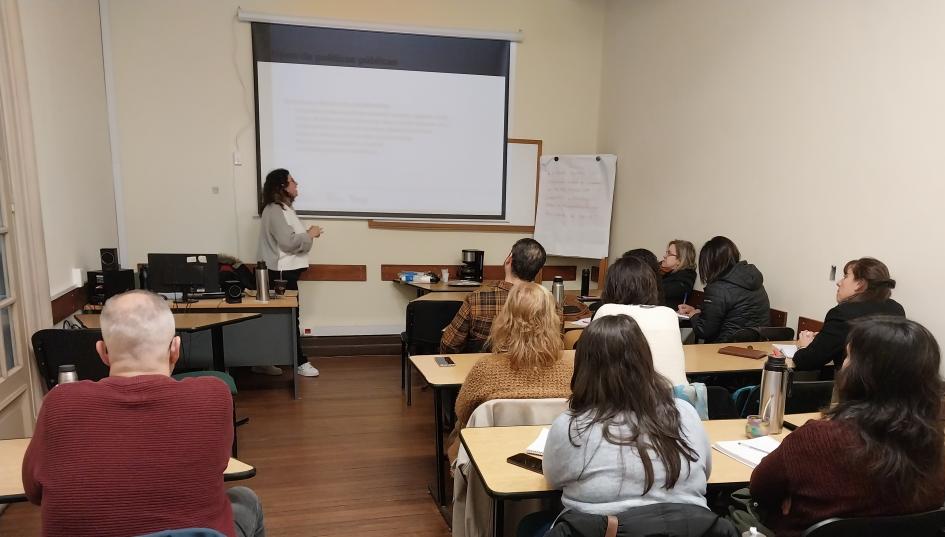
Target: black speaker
(110, 259)
(104, 284)
(233, 291)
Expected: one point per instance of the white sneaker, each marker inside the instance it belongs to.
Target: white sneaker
(270, 370)
(307, 370)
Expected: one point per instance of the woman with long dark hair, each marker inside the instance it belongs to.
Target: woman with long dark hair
(632, 288)
(735, 295)
(865, 289)
(625, 442)
(284, 244)
(879, 451)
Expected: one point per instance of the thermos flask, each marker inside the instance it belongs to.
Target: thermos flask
(585, 282)
(67, 374)
(262, 282)
(775, 379)
(557, 290)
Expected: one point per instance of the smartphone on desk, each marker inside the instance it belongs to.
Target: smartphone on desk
(526, 461)
(444, 361)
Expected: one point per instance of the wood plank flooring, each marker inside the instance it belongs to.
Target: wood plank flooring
(349, 458)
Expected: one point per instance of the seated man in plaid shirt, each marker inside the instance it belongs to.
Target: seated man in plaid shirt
(470, 327)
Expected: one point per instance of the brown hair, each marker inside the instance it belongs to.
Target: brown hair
(528, 257)
(274, 188)
(631, 281)
(874, 273)
(528, 328)
(717, 256)
(890, 391)
(615, 384)
(685, 253)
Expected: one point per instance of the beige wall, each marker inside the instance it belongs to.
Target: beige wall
(183, 75)
(63, 48)
(809, 132)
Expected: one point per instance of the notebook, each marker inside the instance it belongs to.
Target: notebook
(538, 446)
(787, 350)
(748, 452)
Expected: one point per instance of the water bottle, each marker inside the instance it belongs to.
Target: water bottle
(262, 282)
(585, 282)
(775, 379)
(753, 532)
(67, 374)
(557, 290)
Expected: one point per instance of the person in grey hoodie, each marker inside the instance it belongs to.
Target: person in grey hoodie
(735, 296)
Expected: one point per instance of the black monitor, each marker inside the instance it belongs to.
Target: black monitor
(183, 273)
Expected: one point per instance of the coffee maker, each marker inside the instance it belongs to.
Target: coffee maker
(472, 265)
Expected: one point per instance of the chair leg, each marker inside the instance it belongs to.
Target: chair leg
(403, 363)
(407, 372)
(234, 449)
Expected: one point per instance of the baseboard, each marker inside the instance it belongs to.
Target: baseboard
(360, 345)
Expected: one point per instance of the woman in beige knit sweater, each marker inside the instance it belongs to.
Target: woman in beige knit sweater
(526, 361)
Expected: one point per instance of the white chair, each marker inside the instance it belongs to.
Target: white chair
(472, 507)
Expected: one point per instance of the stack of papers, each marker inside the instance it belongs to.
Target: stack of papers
(748, 452)
(787, 350)
(582, 322)
(538, 446)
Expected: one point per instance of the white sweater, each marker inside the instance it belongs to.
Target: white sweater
(660, 325)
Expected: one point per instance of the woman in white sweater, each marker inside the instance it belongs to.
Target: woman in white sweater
(632, 289)
(625, 442)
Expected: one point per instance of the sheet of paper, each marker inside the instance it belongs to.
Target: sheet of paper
(538, 446)
(582, 322)
(786, 350)
(748, 452)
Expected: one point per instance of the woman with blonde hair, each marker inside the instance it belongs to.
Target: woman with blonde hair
(526, 360)
(679, 272)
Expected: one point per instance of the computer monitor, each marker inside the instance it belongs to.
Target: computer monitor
(183, 273)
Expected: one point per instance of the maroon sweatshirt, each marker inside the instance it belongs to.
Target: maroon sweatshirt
(814, 468)
(131, 455)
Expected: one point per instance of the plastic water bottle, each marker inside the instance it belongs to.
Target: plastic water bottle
(67, 374)
(753, 532)
(557, 290)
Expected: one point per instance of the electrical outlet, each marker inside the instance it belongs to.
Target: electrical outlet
(307, 331)
(236, 159)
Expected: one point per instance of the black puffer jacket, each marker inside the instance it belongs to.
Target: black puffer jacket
(734, 301)
(677, 286)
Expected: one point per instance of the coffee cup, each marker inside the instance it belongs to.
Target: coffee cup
(444, 275)
(278, 287)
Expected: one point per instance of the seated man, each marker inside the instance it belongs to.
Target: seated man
(137, 452)
(470, 327)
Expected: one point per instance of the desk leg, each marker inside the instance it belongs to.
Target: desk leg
(294, 338)
(216, 337)
(498, 517)
(438, 445)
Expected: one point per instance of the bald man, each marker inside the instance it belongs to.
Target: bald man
(137, 452)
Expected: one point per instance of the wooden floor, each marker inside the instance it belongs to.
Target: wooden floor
(349, 458)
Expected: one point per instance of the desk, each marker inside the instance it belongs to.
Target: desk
(699, 359)
(489, 447)
(11, 470)
(439, 287)
(270, 338)
(455, 296)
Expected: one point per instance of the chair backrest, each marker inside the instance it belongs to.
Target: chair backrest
(695, 298)
(720, 403)
(777, 317)
(570, 339)
(804, 323)
(928, 524)
(808, 396)
(426, 321)
(54, 347)
(763, 333)
(509, 412)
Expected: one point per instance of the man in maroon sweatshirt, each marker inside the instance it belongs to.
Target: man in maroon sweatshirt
(137, 452)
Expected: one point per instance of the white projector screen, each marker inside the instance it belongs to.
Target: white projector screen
(375, 124)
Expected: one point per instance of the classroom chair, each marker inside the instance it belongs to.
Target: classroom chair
(763, 333)
(426, 320)
(928, 524)
(55, 346)
(472, 507)
(805, 323)
(720, 403)
(808, 396)
(570, 339)
(777, 317)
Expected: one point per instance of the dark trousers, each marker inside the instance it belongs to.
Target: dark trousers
(292, 283)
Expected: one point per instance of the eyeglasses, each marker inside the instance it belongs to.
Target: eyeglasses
(669, 254)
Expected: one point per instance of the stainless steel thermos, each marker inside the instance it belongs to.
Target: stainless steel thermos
(557, 290)
(262, 282)
(67, 374)
(775, 379)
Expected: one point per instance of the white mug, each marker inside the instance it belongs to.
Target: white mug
(444, 275)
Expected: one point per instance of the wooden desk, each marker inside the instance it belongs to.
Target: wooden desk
(438, 287)
(489, 447)
(11, 470)
(269, 338)
(699, 359)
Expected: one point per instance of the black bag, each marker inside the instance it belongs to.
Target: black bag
(659, 519)
(238, 272)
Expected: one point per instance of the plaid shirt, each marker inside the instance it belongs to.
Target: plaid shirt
(472, 323)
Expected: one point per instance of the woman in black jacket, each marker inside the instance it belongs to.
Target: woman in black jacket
(735, 296)
(679, 272)
(864, 290)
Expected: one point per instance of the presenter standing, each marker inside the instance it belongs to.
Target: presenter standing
(284, 244)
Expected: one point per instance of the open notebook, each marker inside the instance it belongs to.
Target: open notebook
(748, 452)
(538, 446)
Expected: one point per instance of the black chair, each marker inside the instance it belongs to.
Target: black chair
(426, 320)
(720, 403)
(763, 333)
(928, 524)
(808, 396)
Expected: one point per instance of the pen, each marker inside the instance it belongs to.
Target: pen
(788, 425)
(753, 447)
(685, 297)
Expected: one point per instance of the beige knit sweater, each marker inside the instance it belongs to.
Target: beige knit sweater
(493, 378)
